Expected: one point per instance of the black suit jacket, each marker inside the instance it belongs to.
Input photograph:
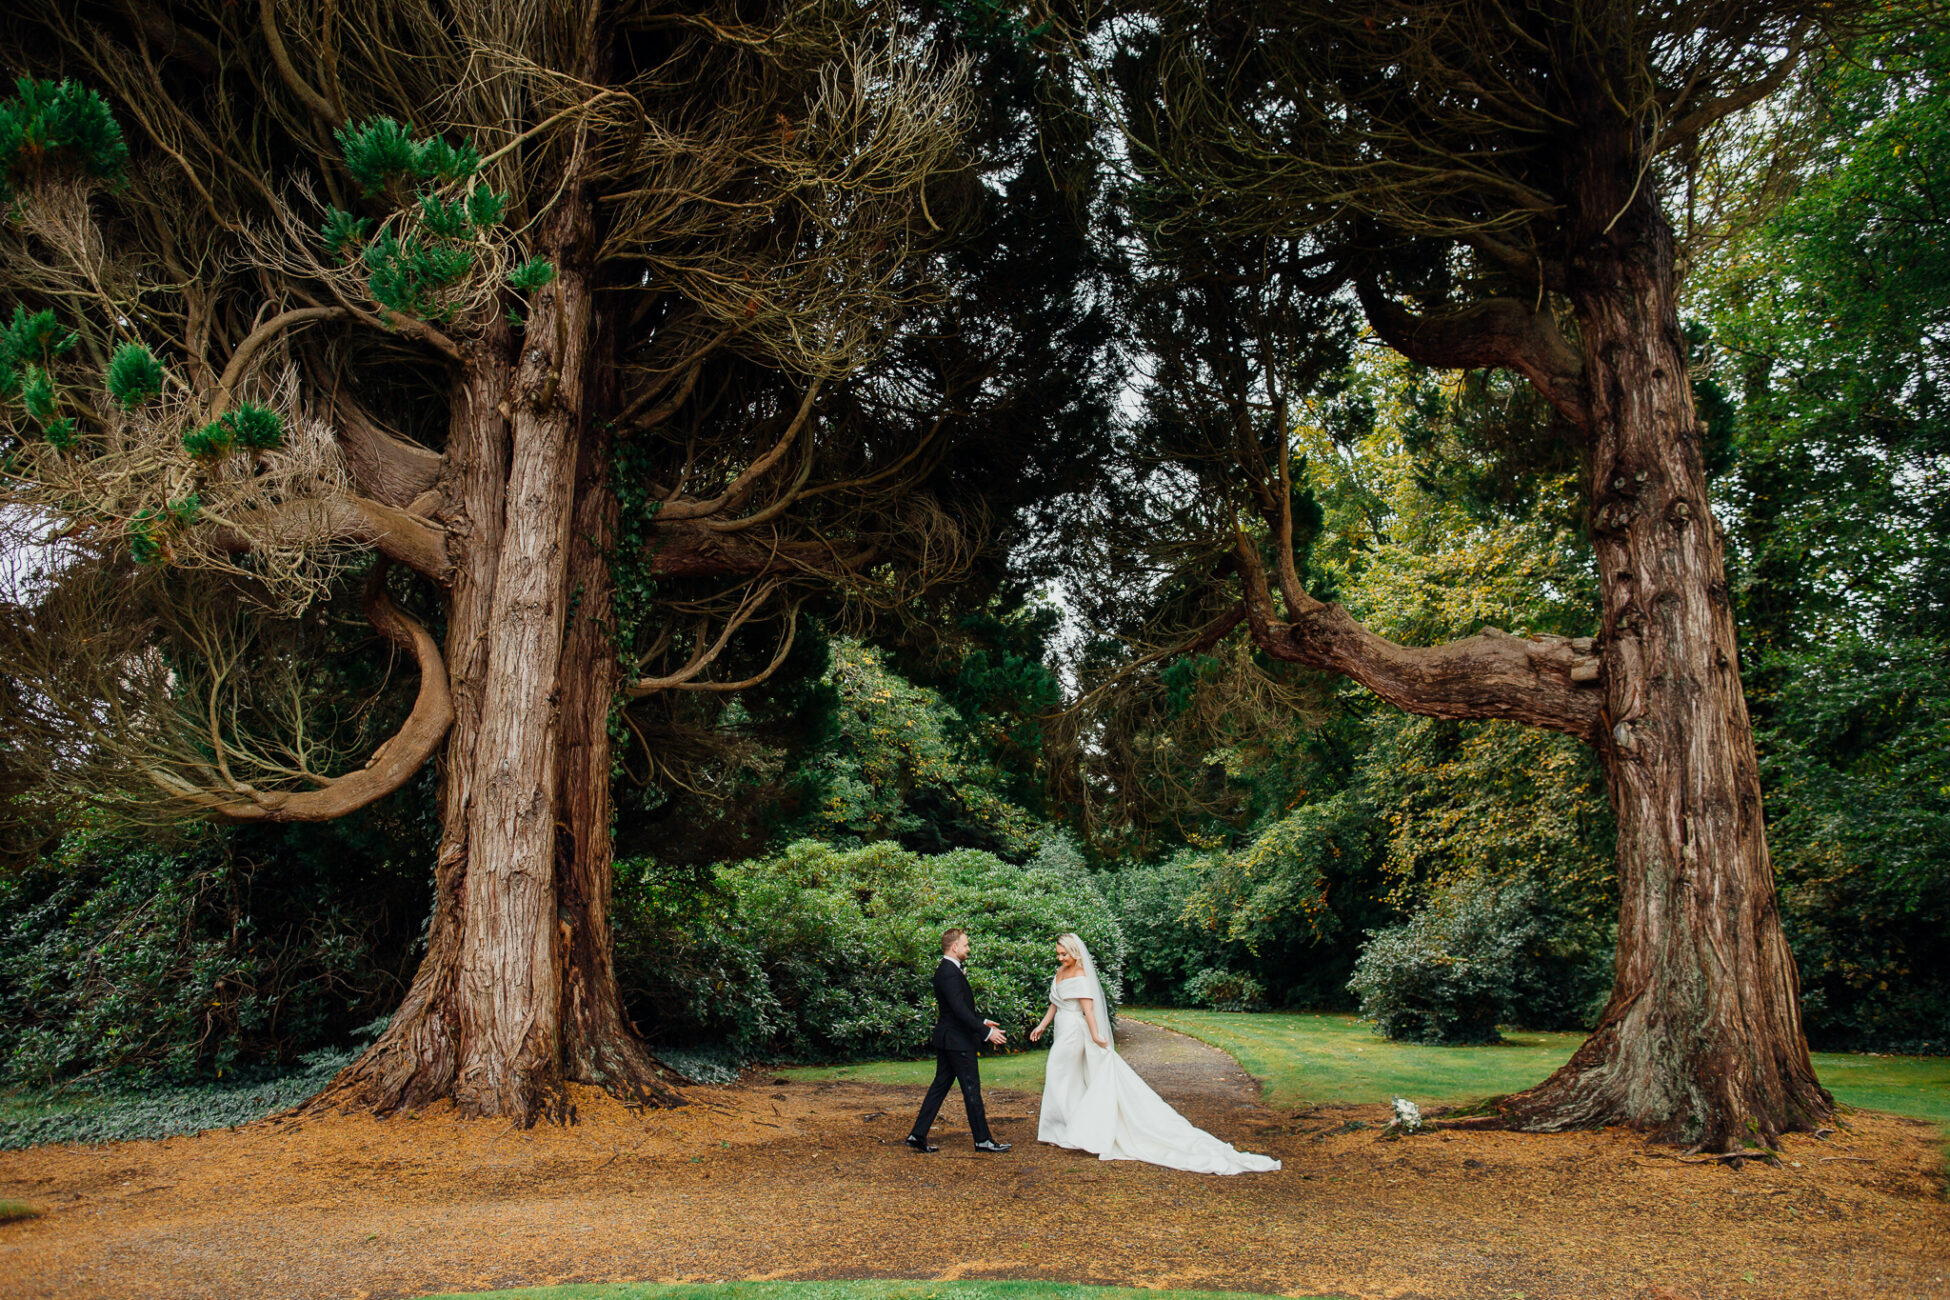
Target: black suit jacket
(960, 1027)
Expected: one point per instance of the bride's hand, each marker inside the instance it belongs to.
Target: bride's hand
(1101, 1042)
(1036, 1034)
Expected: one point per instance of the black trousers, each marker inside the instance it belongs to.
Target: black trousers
(949, 1067)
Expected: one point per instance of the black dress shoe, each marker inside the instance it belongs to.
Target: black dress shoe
(992, 1146)
(920, 1144)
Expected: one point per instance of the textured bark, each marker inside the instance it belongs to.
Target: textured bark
(395, 533)
(387, 469)
(416, 1060)
(599, 1045)
(517, 995)
(1702, 1039)
(509, 992)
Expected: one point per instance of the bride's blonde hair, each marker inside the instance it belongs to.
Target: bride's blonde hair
(1072, 944)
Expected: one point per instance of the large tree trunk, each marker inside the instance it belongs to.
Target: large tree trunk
(1702, 1039)
(599, 1044)
(517, 994)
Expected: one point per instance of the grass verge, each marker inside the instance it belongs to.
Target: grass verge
(1303, 1058)
(13, 1211)
(1306, 1058)
(843, 1291)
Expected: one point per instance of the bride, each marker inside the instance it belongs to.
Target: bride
(1093, 1101)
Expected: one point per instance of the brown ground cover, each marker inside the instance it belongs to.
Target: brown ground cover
(772, 1180)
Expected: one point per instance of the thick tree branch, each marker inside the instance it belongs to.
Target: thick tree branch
(395, 533)
(388, 469)
(240, 360)
(641, 415)
(1545, 682)
(1527, 264)
(1499, 332)
(391, 766)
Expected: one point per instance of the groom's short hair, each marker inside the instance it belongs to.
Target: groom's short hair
(949, 936)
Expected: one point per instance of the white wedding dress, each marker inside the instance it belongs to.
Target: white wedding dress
(1093, 1101)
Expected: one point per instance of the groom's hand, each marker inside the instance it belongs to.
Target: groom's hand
(996, 1036)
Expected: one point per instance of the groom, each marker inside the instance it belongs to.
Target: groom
(958, 1035)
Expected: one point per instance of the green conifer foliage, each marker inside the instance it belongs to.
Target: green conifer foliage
(134, 375)
(37, 394)
(446, 218)
(29, 345)
(51, 123)
(485, 207)
(143, 545)
(377, 151)
(442, 160)
(344, 234)
(531, 275)
(255, 428)
(33, 336)
(419, 256)
(408, 274)
(206, 443)
(250, 428)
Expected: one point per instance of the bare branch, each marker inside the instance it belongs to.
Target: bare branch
(1692, 124)
(694, 551)
(317, 103)
(1489, 675)
(647, 686)
(706, 654)
(741, 486)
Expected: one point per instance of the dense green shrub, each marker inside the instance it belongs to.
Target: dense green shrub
(238, 947)
(1165, 943)
(1224, 990)
(1477, 955)
(820, 953)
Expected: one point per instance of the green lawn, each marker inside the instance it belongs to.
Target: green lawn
(844, 1291)
(1908, 1085)
(1303, 1058)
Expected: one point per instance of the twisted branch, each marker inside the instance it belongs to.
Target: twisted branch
(391, 766)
